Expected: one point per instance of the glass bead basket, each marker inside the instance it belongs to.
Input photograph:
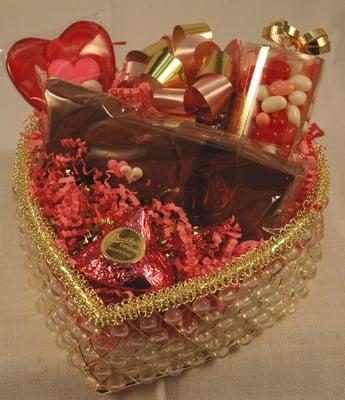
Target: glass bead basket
(169, 331)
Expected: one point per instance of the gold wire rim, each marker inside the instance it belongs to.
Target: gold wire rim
(233, 273)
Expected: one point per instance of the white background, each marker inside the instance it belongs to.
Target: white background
(303, 357)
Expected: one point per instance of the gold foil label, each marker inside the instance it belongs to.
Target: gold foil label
(123, 245)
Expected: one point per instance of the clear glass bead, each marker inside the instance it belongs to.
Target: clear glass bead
(292, 254)
(147, 375)
(188, 352)
(160, 337)
(308, 270)
(148, 324)
(175, 346)
(264, 320)
(214, 344)
(173, 316)
(213, 316)
(199, 358)
(175, 368)
(116, 358)
(227, 295)
(133, 367)
(246, 339)
(88, 352)
(116, 381)
(161, 364)
(201, 305)
(251, 312)
(75, 359)
(204, 336)
(119, 331)
(311, 242)
(190, 325)
(89, 328)
(264, 290)
(149, 354)
(135, 341)
(100, 371)
(222, 352)
(303, 257)
(51, 325)
(102, 344)
(251, 283)
(315, 252)
(56, 287)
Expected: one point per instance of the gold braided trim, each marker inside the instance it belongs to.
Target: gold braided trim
(233, 273)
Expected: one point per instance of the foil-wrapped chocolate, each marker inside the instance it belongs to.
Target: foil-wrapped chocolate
(211, 175)
(127, 258)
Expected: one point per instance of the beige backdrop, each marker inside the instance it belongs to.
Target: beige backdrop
(303, 356)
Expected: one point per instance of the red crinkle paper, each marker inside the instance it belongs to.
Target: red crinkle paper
(74, 208)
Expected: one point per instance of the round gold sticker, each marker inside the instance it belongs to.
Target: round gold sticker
(123, 245)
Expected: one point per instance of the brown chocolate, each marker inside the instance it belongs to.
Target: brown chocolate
(212, 176)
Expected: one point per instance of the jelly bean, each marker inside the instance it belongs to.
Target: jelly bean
(263, 93)
(273, 104)
(282, 88)
(297, 98)
(265, 78)
(301, 82)
(287, 138)
(279, 121)
(293, 114)
(262, 120)
(93, 85)
(266, 134)
(278, 69)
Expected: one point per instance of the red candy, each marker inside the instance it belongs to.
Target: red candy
(279, 121)
(286, 138)
(277, 69)
(266, 135)
(81, 40)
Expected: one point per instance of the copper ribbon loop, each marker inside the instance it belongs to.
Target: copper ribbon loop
(187, 73)
(314, 42)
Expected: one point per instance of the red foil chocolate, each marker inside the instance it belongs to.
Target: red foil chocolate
(211, 175)
(151, 272)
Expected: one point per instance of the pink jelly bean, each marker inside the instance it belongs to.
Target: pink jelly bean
(262, 120)
(281, 88)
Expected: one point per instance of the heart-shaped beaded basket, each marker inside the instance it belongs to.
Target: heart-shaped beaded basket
(174, 329)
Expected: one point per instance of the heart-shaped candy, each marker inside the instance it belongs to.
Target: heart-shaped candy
(83, 52)
(115, 167)
(131, 174)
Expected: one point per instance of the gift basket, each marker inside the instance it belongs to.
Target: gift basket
(170, 209)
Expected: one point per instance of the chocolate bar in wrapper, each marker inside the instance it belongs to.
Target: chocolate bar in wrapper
(211, 175)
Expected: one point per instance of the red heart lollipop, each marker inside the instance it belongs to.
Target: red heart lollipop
(82, 52)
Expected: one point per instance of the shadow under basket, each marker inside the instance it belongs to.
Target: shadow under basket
(166, 332)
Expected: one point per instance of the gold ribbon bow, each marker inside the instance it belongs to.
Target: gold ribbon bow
(314, 42)
(188, 73)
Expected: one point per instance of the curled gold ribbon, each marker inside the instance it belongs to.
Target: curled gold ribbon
(314, 42)
(188, 73)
